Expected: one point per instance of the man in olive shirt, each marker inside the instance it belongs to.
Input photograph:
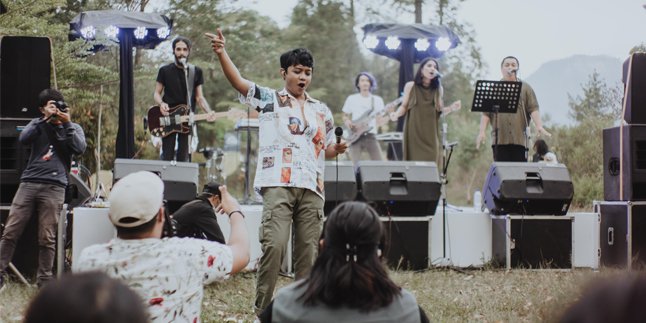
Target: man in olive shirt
(512, 127)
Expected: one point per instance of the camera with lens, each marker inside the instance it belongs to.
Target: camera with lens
(61, 106)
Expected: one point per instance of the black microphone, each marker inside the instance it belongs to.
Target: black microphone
(338, 132)
(513, 71)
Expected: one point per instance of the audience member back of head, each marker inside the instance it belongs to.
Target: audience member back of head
(90, 297)
(616, 299)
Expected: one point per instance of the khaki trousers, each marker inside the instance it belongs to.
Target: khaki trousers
(282, 207)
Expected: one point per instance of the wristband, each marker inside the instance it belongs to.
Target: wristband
(236, 211)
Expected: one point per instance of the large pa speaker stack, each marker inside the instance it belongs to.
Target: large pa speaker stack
(24, 72)
(528, 189)
(624, 174)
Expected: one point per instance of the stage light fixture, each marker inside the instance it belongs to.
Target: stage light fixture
(111, 31)
(88, 32)
(422, 44)
(140, 32)
(392, 42)
(163, 32)
(371, 42)
(443, 44)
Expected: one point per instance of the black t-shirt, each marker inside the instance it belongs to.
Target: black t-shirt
(174, 82)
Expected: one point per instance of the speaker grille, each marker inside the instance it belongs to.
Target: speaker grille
(24, 72)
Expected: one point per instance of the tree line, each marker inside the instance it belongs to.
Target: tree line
(90, 81)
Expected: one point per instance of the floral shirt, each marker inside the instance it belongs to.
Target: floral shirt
(169, 274)
(291, 145)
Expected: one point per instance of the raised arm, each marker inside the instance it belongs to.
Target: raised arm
(228, 68)
(403, 108)
(239, 238)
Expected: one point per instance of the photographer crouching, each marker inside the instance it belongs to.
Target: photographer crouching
(53, 139)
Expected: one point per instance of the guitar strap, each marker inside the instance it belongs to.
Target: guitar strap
(191, 82)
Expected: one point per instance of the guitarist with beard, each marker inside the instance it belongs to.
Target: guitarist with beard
(361, 115)
(170, 91)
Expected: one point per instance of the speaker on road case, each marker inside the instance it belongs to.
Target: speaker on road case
(24, 72)
(633, 163)
(341, 188)
(400, 188)
(636, 83)
(528, 188)
(180, 178)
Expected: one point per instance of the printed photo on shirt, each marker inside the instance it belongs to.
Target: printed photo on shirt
(319, 143)
(295, 126)
(267, 162)
(285, 174)
(287, 155)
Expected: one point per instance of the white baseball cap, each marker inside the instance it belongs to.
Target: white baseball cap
(136, 199)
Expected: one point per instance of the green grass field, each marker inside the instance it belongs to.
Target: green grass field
(482, 295)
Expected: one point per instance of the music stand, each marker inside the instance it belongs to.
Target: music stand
(496, 97)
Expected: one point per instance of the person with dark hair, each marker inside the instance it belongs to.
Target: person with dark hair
(513, 128)
(197, 218)
(360, 115)
(91, 297)
(291, 195)
(349, 281)
(170, 273)
(423, 104)
(543, 153)
(615, 299)
(53, 140)
(171, 91)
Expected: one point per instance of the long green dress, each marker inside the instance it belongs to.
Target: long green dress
(421, 128)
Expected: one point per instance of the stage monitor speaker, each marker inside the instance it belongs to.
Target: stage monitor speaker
(341, 188)
(528, 188)
(180, 178)
(633, 163)
(80, 192)
(400, 188)
(24, 72)
(635, 98)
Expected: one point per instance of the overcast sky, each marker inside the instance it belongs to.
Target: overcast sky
(535, 31)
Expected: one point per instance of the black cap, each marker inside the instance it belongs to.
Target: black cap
(212, 188)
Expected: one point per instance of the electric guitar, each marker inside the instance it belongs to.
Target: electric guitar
(178, 118)
(362, 124)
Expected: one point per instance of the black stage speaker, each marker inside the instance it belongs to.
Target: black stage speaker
(408, 240)
(400, 188)
(343, 190)
(13, 158)
(528, 188)
(79, 190)
(633, 163)
(635, 98)
(532, 242)
(24, 72)
(622, 242)
(180, 178)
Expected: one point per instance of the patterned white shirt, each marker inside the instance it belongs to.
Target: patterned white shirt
(168, 274)
(291, 145)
